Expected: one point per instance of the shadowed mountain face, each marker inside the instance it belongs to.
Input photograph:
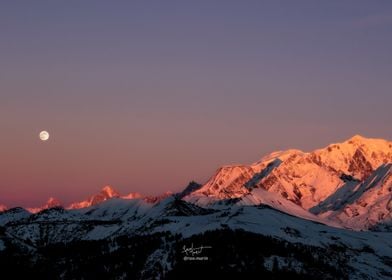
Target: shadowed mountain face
(291, 214)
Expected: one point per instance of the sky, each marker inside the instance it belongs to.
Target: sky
(149, 95)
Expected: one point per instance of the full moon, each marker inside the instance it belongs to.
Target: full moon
(44, 135)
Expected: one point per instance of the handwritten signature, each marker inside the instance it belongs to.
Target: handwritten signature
(194, 251)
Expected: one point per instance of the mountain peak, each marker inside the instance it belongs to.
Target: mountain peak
(109, 191)
(106, 193)
(52, 202)
(361, 140)
(357, 137)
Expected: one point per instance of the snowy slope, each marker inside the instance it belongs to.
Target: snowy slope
(263, 197)
(369, 205)
(13, 214)
(228, 182)
(260, 212)
(269, 222)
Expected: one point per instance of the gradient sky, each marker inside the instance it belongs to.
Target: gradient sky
(149, 95)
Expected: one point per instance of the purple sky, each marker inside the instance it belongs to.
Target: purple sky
(148, 96)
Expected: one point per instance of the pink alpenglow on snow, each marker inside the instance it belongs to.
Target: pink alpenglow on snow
(106, 193)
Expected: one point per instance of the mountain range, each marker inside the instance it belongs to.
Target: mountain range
(336, 199)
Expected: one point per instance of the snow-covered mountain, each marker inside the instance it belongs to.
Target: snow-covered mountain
(309, 180)
(51, 203)
(3, 208)
(106, 193)
(358, 156)
(336, 185)
(345, 183)
(331, 206)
